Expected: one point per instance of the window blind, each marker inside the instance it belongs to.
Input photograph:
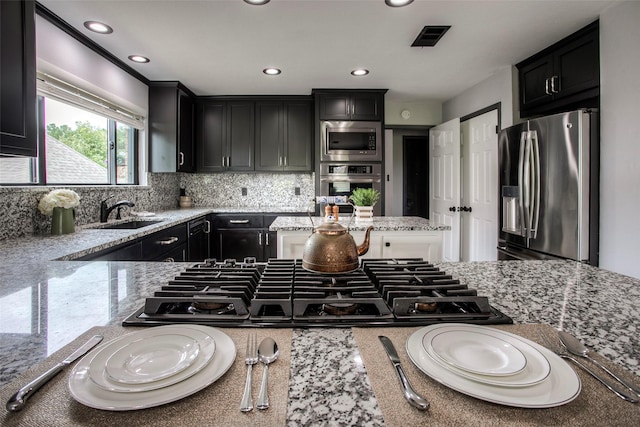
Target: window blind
(52, 87)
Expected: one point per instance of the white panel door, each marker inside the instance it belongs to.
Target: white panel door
(444, 191)
(479, 227)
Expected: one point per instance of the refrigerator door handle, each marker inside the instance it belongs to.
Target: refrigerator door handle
(526, 185)
(521, 198)
(535, 193)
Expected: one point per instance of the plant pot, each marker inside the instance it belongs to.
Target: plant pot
(63, 221)
(364, 213)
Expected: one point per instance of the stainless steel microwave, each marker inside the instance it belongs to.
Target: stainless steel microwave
(350, 141)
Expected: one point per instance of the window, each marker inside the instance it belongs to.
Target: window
(82, 140)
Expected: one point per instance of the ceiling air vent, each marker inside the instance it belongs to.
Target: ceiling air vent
(430, 35)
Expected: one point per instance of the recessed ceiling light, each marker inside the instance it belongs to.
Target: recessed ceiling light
(272, 71)
(257, 2)
(98, 27)
(397, 3)
(139, 58)
(359, 72)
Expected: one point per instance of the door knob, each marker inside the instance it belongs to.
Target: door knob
(452, 209)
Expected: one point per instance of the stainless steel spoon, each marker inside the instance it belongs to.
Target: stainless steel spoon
(267, 353)
(575, 347)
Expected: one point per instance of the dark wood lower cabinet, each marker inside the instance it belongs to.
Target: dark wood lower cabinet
(166, 245)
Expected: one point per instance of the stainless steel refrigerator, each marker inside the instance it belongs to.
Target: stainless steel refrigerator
(549, 169)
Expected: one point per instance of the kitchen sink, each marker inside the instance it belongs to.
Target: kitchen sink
(130, 225)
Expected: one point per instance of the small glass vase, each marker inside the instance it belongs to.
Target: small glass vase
(63, 221)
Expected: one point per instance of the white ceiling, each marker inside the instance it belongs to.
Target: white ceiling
(220, 47)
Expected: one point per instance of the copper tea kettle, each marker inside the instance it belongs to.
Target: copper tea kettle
(331, 249)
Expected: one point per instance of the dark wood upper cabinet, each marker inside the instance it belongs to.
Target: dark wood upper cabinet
(562, 76)
(284, 136)
(171, 140)
(225, 135)
(18, 101)
(351, 105)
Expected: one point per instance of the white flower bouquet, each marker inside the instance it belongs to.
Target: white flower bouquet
(62, 198)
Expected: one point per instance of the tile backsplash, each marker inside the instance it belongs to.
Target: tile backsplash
(261, 190)
(20, 215)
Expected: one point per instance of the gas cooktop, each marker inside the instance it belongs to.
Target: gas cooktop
(280, 293)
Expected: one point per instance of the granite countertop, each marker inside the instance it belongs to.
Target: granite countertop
(46, 304)
(379, 223)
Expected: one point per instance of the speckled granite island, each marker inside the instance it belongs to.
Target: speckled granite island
(392, 237)
(46, 304)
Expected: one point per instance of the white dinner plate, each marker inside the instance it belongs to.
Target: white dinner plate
(98, 374)
(536, 369)
(152, 358)
(477, 352)
(560, 387)
(86, 392)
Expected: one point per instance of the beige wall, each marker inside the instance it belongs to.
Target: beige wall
(500, 87)
(620, 145)
(422, 113)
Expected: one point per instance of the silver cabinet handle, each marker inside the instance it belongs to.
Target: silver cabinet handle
(266, 238)
(238, 221)
(180, 158)
(170, 259)
(260, 238)
(554, 79)
(169, 241)
(285, 160)
(546, 87)
(207, 230)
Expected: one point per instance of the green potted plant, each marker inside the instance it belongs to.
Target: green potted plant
(364, 199)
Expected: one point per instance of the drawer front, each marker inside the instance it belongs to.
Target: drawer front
(164, 241)
(238, 221)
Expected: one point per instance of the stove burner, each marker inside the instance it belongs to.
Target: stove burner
(281, 293)
(426, 307)
(339, 308)
(207, 307)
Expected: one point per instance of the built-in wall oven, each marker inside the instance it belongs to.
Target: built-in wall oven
(340, 179)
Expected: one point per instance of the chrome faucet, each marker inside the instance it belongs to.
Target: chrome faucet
(105, 211)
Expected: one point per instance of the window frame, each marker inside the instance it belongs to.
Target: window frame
(38, 164)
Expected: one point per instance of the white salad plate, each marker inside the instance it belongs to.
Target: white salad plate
(85, 391)
(477, 352)
(561, 386)
(97, 365)
(536, 369)
(152, 358)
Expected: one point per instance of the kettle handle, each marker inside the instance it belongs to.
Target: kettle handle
(312, 203)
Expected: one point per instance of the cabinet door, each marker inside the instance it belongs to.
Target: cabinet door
(177, 254)
(578, 66)
(535, 82)
(18, 101)
(298, 141)
(269, 136)
(335, 106)
(427, 246)
(186, 159)
(238, 244)
(240, 135)
(212, 137)
(365, 106)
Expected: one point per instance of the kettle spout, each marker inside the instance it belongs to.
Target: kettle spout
(364, 247)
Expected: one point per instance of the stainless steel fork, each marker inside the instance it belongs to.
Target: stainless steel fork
(250, 359)
(557, 349)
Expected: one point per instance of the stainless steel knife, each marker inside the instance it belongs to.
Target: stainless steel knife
(19, 399)
(409, 393)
